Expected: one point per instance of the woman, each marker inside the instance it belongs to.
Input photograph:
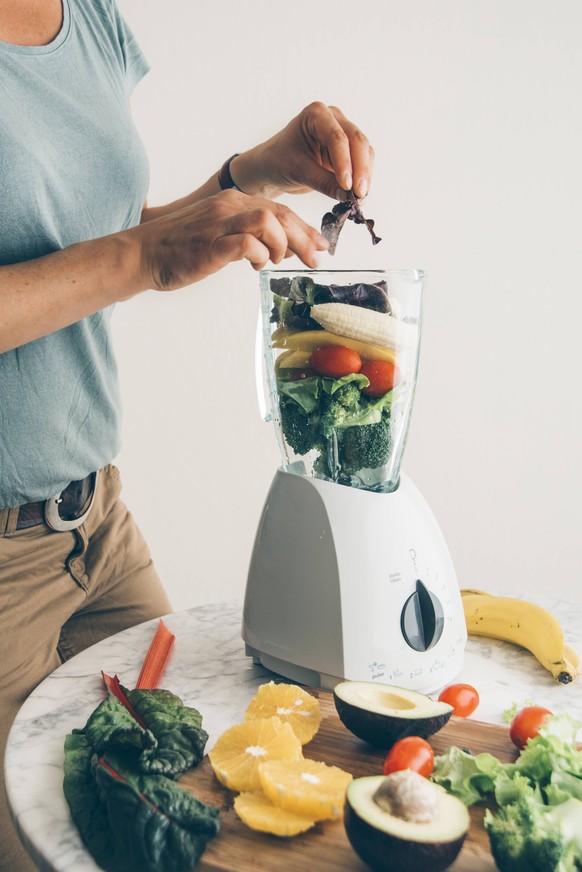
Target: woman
(75, 238)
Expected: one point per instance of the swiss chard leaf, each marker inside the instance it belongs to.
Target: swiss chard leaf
(112, 725)
(156, 826)
(176, 727)
(118, 783)
(172, 742)
(82, 795)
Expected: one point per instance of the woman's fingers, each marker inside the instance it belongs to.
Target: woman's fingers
(195, 241)
(361, 153)
(331, 140)
(342, 147)
(260, 224)
(242, 246)
(280, 231)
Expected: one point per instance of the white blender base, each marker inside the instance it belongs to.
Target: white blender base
(331, 570)
(299, 674)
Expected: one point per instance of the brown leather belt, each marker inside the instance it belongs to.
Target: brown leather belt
(64, 511)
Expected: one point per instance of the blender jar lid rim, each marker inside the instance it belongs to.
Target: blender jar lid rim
(419, 272)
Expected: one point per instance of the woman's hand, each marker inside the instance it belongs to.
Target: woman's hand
(320, 149)
(190, 243)
(175, 249)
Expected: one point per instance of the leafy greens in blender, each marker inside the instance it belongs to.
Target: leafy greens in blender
(333, 398)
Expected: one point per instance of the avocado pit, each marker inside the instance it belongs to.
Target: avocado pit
(407, 795)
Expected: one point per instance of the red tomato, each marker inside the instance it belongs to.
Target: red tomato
(335, 361)
(410, 753)
(382, 375)
(463, 698)
(526, 724)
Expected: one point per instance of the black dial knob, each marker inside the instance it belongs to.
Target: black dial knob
(422, 620)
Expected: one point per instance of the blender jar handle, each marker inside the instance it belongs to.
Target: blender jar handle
(261, 372)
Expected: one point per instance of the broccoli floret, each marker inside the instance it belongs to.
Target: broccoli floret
(366, 446)
(337, 407)
(301, 431)
(527, 836)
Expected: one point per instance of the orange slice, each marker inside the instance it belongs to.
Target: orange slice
(306, 787)
(259, 813)
(237, 753)
(291, 704)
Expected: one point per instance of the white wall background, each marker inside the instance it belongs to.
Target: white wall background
(474, 109)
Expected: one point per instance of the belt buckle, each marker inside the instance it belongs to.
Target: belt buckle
(54, 520)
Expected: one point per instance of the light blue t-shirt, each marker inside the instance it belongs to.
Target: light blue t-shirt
(72, 168)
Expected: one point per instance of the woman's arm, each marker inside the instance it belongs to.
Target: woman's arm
(185, 241)
(176, 249)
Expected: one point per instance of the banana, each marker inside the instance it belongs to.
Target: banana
(524, 624)
(466, 591)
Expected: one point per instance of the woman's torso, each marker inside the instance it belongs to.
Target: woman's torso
(72, 168)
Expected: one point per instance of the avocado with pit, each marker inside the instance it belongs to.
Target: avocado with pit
(403, 822)
(382, 713)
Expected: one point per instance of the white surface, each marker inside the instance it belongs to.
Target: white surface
(474, 112)
(209, 671)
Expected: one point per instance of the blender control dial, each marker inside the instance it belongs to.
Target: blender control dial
(422, 620)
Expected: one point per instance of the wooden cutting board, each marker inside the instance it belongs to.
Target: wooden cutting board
(326, 847)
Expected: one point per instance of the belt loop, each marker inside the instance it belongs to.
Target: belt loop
(8, 521)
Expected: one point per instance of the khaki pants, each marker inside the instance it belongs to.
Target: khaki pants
(60, 593)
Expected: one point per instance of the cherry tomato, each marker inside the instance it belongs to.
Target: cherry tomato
(335, 361)
(382, 375)
(463, 698)
(526, 724)
(410, 753)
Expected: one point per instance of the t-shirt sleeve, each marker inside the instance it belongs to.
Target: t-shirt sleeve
(136, 64)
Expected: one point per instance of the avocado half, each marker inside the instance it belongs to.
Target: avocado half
(381, 713)
(389, 843)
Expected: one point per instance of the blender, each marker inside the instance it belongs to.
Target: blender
(350, 576)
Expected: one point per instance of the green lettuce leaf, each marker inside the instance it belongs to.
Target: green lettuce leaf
(510, 785)
(509, 713)
(552, 760)
(306, 391)
(469, 777)
(548, 770)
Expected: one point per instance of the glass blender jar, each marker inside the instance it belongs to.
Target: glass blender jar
(341, 353)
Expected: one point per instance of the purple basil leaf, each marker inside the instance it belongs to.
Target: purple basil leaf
(356, 215)
(333, 221)
(368, 296)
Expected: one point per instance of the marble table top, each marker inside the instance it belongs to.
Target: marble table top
(208, 669)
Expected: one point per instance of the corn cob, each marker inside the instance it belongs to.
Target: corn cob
(366, 325)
